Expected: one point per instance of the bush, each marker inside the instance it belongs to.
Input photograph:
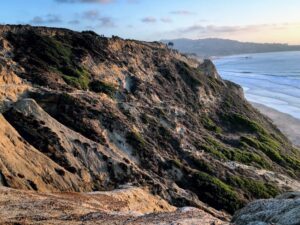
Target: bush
(216, 193)
(77, 78)
(257, 189)
(102, 87)
(210, 125)
(233, 154)
(242, 123)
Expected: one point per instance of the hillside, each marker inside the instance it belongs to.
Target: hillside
(83, 113)
(222, 47)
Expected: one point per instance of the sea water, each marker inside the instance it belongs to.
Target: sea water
(271, 79)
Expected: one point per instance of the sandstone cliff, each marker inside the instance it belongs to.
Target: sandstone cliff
(86, 113)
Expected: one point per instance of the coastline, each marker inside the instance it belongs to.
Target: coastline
(287, 124)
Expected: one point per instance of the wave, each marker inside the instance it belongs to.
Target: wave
(261, 82)
(281, 106)
(269, 79)
(296, 76)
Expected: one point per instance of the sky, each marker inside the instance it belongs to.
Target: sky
(267, 21)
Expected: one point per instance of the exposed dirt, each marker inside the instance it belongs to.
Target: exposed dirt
(124, 206)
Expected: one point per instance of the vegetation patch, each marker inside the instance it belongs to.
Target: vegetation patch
(216, 193)
(258, 189)
(78, 78)
(50, 53)
(267, 146)
(272, 149)
(241, 123)
(233, 154)
(210, 125)
(103, 87)
(201, 165)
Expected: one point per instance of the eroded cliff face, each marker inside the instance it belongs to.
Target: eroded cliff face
(88, 113)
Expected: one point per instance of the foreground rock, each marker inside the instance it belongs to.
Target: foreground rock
(282, 210)
(123, 206)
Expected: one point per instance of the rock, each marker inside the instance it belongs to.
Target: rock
(132, 206)
(282, 210)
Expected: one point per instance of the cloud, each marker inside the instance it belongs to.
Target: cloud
(166, 20)
(48, 19)
(261, 32)
(95, 16)
(182, 12)
(91, 15)
(85, 1)
(107, 22)
(149, 20)
(74, 22)
(213, 29)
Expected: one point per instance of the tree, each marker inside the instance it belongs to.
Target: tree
(170, 44)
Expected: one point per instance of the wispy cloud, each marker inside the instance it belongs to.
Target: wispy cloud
(96, 16)
(149, 20)
(48, 19)
(74, 22)
(166, 20)
(248, 32)
(213, 29)
(91, 15)
(107, 22)
(182, 12)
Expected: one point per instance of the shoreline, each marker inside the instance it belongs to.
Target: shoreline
(287, 124)
(246, 54)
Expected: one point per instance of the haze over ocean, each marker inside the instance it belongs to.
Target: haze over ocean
(271, 79)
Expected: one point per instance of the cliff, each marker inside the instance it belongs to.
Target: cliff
(83, 113)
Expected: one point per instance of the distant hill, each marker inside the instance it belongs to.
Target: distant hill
(222, 47)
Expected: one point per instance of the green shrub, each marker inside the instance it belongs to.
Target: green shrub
(216, 193)
(77, 78)
(267, 146)
(257, 189)
(242, 123)
(233, 154)
(103, 87)
(210, 125)
(50, 50)
(201, 165)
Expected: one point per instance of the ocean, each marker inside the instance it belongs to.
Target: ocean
(271, 79)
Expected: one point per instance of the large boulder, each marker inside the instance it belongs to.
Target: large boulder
(282, 210)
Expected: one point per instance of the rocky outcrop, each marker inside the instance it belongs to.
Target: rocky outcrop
(98, 113)
(123, 206)
(282, 210)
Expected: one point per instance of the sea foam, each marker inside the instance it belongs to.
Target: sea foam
(272, 79)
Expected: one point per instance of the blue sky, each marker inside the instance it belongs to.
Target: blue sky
(245, 20)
